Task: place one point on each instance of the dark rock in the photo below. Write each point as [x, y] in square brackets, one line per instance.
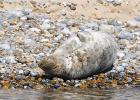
[56, 86]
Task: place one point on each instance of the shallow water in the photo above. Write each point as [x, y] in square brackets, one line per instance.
[74, 94]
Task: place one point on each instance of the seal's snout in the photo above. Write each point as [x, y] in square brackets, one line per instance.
[51, 67]
[47, 64]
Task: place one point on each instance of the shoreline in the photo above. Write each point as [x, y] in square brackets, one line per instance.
[27, 35]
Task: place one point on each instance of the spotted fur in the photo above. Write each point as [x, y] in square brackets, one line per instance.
[83, 55]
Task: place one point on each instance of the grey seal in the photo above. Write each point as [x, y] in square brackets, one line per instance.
[82, 55]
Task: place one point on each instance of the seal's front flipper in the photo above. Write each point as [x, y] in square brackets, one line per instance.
[108, 69]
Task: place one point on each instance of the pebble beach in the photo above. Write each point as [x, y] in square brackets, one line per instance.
[33, 29]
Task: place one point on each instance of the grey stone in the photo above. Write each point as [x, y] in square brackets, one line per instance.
[35, 30]
[3, 70]
[46, 24]
[110, 0]
[24, 18]
[21, 72]
[66, 32]
[17, 13]
[29, 42]
[18, 77]
[120, 54]
[115, 22]
[125, 64]
[40, 56]
[124, 43]
[2, 60]
[129, 55]
[107, 28]
[82, 28]
[77, 85]
[133, 23]
[117, 29]
[137, 18]
[26, 72]
[72, 6]
[26, 11]
[136, 33]
[113, 71]
[57, 85]
[138, 53]
[33, 74]
[125, 35]
[5, 46]
[25, 87]
[122, 74]
[115, 2]
[10, 59]
[93, 26]
[129, 80]
[63, 13]
[10, 1]
[131, 71]
[120, 68]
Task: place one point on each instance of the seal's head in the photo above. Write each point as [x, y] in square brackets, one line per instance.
[51, 67]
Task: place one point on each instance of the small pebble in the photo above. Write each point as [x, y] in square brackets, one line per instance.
[26, 72]
[120, 68]
[56, 86]
[33, 74]
[129, 80]
[18, 77]
[125, 35]
[5, 46]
